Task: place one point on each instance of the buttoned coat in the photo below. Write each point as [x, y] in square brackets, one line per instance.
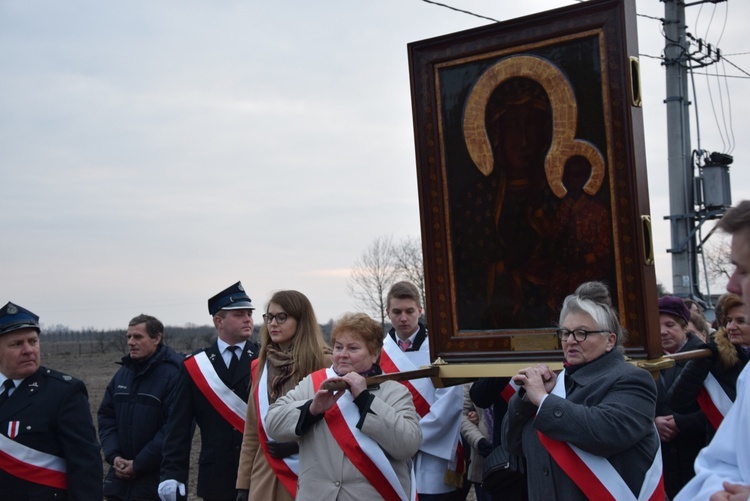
[220, 441]
[325, 472]
[132, 421]
[608, 411]
[53, 415]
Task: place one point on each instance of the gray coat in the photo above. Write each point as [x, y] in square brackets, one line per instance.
[609, 412]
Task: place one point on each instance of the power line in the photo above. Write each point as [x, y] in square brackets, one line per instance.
[459, 10]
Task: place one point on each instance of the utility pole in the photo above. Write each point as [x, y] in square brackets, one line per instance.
[679, 162]
[712, 185]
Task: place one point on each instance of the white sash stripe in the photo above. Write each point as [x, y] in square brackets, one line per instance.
[718, 396]
[423, 385]
[370, 447]
[31, 456]
[226, 395]
[605, 472]
[291, 461]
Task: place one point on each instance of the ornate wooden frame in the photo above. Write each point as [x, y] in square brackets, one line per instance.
[584, 57]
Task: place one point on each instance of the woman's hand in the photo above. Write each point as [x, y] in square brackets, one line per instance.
[357, 384]
[732, 492]
[324, 399]
[473, 417]
[666, 427]
[538, 381]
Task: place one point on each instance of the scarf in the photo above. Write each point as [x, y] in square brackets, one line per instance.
[282, 374]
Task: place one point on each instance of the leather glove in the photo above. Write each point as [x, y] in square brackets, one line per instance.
[710, 346]
[484, 447]
[168, 490]
[281, 450]
[243, 495]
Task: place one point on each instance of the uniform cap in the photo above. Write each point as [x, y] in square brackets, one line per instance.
[231, 298]
[14, 318]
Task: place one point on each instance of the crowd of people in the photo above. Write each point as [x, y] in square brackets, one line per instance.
[294, 418]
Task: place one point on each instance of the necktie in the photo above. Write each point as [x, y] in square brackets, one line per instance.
[404, 345]
[235, 361]
[8, 385]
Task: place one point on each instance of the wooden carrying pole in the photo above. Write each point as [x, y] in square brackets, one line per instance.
[453, 374]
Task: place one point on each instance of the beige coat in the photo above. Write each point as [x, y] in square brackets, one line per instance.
[254, 472]
[473, 433]
[325, 472]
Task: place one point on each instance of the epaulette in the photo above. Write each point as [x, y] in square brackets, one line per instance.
[57, 375]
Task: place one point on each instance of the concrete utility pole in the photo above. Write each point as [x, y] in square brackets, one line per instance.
[680, 165]
[685, 220]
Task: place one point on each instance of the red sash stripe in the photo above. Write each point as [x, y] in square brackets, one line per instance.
[32, 473]
[714, 416]
[200, 381]
[285, 475]
[576, 469]
[422, 405]
[508, 392]
[344, 437]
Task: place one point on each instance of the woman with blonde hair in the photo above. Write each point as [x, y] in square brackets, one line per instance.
[291, 347]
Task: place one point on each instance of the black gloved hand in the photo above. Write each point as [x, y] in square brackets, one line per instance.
[281, 450]
[484, 447]
[243, 495]
[710, 346]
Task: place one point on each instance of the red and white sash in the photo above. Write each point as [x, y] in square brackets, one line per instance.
[287, 469]
[393, 359]
[594, 475]
[363, 452]
[714, 401]
[231, 407]
[32, 465]
[509, 390]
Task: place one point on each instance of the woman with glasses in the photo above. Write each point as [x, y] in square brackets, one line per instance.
[291, 347]
[587, 433]
[356, 444]
[712, 381]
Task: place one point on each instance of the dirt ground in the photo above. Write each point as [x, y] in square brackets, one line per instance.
[96, 370]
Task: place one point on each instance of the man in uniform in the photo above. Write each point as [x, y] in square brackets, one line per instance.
[212, 392]
[439, 464]
[47, 437]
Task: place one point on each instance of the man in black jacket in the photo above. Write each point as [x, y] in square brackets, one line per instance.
[47, 436]
[134, 412]
[212, 392]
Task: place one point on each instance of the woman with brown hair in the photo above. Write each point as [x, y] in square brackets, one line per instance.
[291, 347]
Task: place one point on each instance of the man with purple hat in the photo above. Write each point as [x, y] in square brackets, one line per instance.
[682, 434]
[48, 447]
[212, 393]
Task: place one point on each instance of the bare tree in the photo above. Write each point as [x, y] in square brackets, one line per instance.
[372, 275]
[718, 257]
[409, 262]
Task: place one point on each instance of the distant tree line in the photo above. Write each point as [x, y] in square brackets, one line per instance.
[60, 339]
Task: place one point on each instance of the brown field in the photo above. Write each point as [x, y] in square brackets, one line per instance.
[96, 370]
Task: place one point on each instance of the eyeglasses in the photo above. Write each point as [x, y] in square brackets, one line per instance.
[579, 335]
[280, 318]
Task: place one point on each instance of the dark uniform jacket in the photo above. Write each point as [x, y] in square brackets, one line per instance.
[220, 442]
[53, 415]
[132, 421]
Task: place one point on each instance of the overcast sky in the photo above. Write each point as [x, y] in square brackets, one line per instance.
[154, 152]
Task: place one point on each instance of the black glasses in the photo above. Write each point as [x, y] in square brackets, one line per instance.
[280, 318]
[578, 334]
